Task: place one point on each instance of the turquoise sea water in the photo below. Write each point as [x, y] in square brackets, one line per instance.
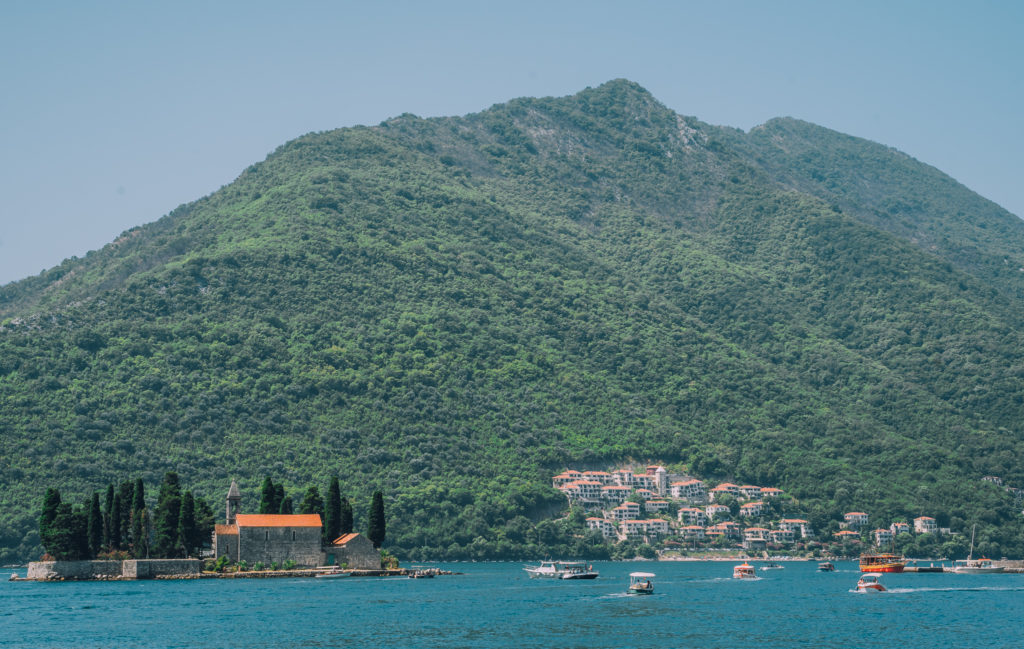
[697, 604]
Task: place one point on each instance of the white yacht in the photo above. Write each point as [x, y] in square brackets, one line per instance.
[562, 570]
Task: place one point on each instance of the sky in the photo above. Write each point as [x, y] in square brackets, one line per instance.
[114, 113]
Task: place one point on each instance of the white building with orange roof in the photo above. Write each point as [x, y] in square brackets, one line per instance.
[925, 525]
[603, 477]
[751, 510]
[692, 516]
[899, 527]
[750, 492]
[602, 525]
[693, 490]
[565, 478]
[656, 506]
[626, 511]
[694, 532]
[615, 493]
[847, 535]
[755, 538]
[798, 526]
[883, 537]
[724, 488]
[782, 537]
[725, 528]
[770, 492]
[646, 494]
[716, 510]
[855, 519]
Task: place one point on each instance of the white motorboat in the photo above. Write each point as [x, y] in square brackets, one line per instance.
[562, 570]
[640, 583]
[868, 583]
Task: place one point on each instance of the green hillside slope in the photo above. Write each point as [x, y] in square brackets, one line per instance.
[454, 309]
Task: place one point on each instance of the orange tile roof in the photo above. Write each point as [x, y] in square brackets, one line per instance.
[278, 520]
[225, 530]
[344, 538]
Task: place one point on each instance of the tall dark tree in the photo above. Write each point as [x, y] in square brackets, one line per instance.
[138, 495]
[346, 517]
[268, 493]
[143, 527]
[95, 525]
[312, 503]
[205, 522]
[332, 511]
[278, 498]
[375, 526]
[286, 505]
[166, 517]
[187, 525]
[116, 541]
[108, 508]
[48, 513]
[69, 535]
[125, 491]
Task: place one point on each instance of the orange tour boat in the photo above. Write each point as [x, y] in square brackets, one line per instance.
[881, 563]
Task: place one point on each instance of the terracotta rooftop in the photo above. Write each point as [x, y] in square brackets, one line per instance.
[225, 530]
[278, 520]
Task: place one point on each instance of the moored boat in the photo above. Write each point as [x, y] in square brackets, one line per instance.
[826, 566]
[562, 570]
[744, 571]
[868, 583]
[640, 583]
[332, 574]
[881, 563]
[976, 567]
[972, 566]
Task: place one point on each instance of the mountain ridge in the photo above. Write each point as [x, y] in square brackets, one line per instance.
[580, 279]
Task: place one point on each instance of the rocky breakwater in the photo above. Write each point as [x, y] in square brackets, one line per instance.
[112, 570]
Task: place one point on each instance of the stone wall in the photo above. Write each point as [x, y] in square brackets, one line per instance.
[54, 570]
[358, 553]
[151, 568]
[279, 544]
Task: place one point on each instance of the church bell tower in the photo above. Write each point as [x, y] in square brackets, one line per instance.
[234, 502]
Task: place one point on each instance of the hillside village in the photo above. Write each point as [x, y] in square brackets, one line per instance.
[659, 508]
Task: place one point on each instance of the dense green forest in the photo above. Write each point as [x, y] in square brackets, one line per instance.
[452, 310]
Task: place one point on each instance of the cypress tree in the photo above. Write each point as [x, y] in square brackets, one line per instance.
[286, 506]
[109, 507]
[267, 493]
[346, 517]
[69, 536]
[332, 511]
[47, 515]
[312, 503]
[205, 522]
[116, 539]
[187, 524]
[139, 496]
[278, 498]
[95, 526]
[166, 517]
[141, 524]
[375, 527]
[125, 491]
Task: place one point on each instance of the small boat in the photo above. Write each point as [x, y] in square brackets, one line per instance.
[640, 583]
[972, 566]
[581, 571]
[421, 574]
[868, 583]
[826, 566]
[881, 563]
[561, 570]
[337, 573]
[744, 571]
[771, 566]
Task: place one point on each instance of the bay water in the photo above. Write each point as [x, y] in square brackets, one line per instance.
[696, 604]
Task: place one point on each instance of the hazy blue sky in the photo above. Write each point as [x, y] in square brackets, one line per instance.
[112, 114]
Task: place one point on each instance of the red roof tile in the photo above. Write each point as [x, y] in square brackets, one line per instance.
[278, 520]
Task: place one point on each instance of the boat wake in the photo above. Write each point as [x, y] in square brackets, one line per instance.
[959, 589]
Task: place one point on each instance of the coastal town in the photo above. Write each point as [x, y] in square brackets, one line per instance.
[656, 507]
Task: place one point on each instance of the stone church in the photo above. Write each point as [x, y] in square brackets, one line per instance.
[277, 538]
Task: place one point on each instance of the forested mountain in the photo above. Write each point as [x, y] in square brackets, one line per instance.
[453, 309]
